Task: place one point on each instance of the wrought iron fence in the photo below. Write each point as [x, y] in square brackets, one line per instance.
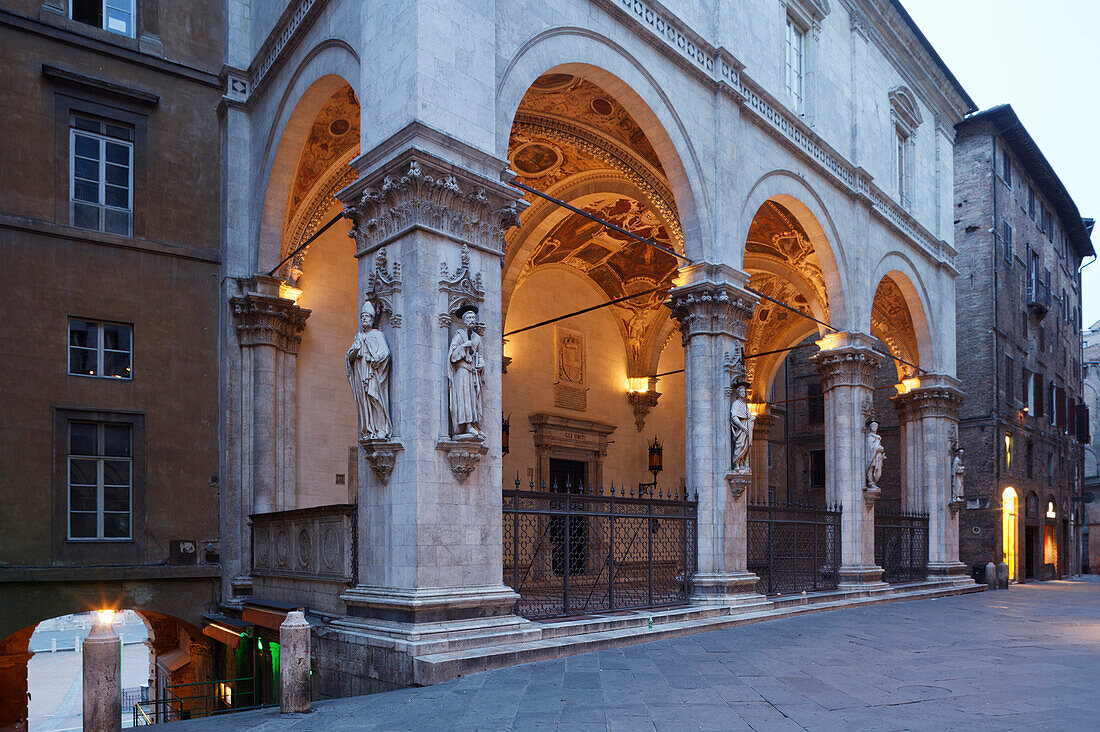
[195, 700]
[793, 547]
[901, 546]
[578, 550]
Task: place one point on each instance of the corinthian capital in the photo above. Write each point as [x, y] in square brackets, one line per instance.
[846, 359]
[934, 395]
[424, 192]
[265, 319]
[711, 302]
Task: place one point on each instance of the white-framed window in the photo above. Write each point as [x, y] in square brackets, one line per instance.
[116, 16]
[101, 176]
[101, 349]
[100, 480]
[795, 63]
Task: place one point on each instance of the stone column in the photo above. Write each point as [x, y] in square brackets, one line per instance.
[102, 677]
[910, 447]
[429, 509]
[847, 363]
[713, 309]
[932, 412]
[761, 431]
[294, 663]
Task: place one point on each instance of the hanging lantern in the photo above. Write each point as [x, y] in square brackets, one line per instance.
[656, 457]
[504, 435]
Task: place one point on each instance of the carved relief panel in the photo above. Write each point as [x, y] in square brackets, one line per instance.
[570, 377]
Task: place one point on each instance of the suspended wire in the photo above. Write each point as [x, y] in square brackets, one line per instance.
[305, 244]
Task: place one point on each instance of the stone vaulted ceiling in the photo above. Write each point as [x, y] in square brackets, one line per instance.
[892, 323]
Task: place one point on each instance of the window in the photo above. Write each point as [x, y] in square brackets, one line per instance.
[815, 403]
[817, 468]
[902, 142]
[101, 162]
[100, 480]
[1031, 202]
[1006, 239]
[116, 16]
[100, 349]
[1010, 387]
[1008, 451]
[1006, 167]
[795, 63]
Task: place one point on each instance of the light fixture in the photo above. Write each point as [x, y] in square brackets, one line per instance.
[504, 428]
[908, 385]
[637, 384]
[757, 408]
[1050, 510]
[106, 617]
[656, 465]
[289, 292]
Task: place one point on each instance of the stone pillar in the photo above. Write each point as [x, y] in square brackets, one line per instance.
[910, 446]
[931, 410]
[847, 363]
[760, 433]
[429, 509]
[102, 678]
[294, 638]
[713, 309]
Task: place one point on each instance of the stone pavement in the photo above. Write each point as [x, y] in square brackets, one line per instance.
[1028, 658]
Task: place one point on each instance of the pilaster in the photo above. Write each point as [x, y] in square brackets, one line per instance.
[713, 309]
[847, 363]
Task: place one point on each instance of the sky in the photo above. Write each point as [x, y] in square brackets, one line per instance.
[1043, 58]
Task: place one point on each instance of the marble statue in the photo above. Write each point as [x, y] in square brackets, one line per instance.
[466, 376]
[957, 470]
[876, 454]
[741, 424]
[368, 367]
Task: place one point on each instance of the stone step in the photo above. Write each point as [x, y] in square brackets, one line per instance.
[598, 634]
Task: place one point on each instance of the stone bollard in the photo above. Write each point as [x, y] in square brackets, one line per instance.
[1002, 576]
[991, 575]
[294, 672]
[103, 676]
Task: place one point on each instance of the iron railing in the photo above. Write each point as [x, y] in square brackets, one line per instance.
[793, 547]
[578, 550]
[197, 699]
[901, 546]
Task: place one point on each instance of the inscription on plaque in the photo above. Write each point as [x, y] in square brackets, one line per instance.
[571, 397]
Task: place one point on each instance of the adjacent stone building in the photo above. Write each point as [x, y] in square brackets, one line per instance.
[1090, 544]
[1021, 241]
[110, 245]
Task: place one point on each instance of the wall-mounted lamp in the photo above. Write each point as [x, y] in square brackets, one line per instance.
[504, 427]
[656, 465]
[289, 292]
[1050, 510]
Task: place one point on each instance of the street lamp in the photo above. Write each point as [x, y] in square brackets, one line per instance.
[656, 464]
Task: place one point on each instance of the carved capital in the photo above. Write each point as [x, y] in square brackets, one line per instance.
[266, 320]
[738, 481]
[846, 360]
[955, 504]
[932, 401]
[711, 309]
[381, 456]
[463, 455]
[642, 402]
[428, 195]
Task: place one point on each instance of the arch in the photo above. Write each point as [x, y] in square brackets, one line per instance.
[768, 366]
[589, 55]
[323, 71]
[900, 269]
[793, 193]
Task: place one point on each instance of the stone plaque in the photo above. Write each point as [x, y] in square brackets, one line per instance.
[571, 397]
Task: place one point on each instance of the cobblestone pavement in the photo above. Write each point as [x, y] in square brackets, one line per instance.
[1028, 658]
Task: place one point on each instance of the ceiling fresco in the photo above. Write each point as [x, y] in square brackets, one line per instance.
[892, 323]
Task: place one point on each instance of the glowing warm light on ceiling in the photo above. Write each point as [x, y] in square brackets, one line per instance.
[831, 341]
[908, 385]
[758, 408]
[106, 617]
[637, 384]
[288, 292]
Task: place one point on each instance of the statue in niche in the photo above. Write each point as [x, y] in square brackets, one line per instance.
[466, 377]
[742, 421]
[957, 471]
[368, 367]
[876, 455]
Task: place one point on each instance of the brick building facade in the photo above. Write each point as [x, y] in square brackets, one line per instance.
[1021, 241]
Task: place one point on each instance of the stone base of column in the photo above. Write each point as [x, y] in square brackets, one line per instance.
[728, 589]
[954, 572]
[423, 614]
[868, 577]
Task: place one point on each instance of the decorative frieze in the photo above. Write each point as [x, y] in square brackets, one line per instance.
[433, 202]
[305, 543]
[265, 320]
